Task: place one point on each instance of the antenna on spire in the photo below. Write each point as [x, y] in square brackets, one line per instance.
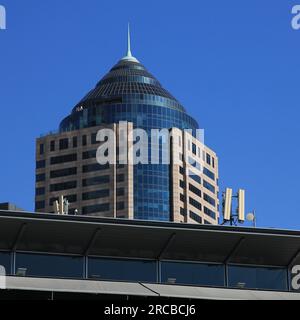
[129, 56]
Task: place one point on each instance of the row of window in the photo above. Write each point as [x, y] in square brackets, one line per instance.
[132, 270]
[73, 184]
[66, 143]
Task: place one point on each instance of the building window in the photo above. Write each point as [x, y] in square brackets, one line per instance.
[94, 138]
[5, 261]
[38, 265]
[257, 278]
[183, 212]
[40, 191]
[52, 146]
[209, 186]
[40, 177]
[94, 167]
[195, 203]
[182, 184]
[194, 149]
[63, 144]
[75, 143]
[39, 205]
[89, 154]
[120, 206]
[95, 181]
[193, 274]
[210, 213]
[63, 186]
[42, 149]
[120, 192]
[195, 177]
[95, 208]
[182, 197]
[84, 140]
[40, 164]
[213, 162]
[63, 159]
[120, 177]
[195, 217]
[122, 270]
[209, 173]
[194, 163]
[181, 170]
[95, 194]
[209, 199]
[208, 159]
[63, 172]
[195, 190]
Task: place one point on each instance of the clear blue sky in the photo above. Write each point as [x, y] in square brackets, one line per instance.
[233, 64]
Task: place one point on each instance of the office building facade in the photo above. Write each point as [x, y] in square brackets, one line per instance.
[160, 191]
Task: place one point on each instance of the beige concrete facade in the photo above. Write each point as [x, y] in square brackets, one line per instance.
[193, 168]
[112, 196]
[195, 188]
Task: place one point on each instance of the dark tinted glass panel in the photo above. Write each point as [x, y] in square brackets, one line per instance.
[95, 194]
[75, 142]
[63, 172]
[40, 177]
[95, 181]
[95, 208]
[52, 146]
[49, 265]
[63, 144]
[195, 203]
[63, 159]
[40, 164]
[63, 186]
[42, 148]
[89, 154]
[126, 270]
[209, 186]
[210, 213]
[39, 191]
[257, 278]
[94, 167]
[120, 206]
[195, 190]
[84, 140]
[209, 173]
[195, 177]
[209, 199]
[192, 273]
[195, 217]
[5, 261]
[120, 177]
[120, 192]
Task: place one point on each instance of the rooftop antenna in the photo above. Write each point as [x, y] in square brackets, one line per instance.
[129, 56]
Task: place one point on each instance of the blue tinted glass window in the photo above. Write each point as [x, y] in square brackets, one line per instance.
[126, 270]
[193, 273]
[257, 278]
[39, 265]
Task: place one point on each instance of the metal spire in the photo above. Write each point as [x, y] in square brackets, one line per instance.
[129, 56]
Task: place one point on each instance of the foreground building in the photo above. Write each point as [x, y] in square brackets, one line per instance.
[66, 161]
[50, 256]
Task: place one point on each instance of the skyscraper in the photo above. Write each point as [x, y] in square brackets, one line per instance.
[66, 161]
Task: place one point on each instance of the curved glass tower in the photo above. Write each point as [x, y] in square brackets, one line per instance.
[66, 165]
[130, 93]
